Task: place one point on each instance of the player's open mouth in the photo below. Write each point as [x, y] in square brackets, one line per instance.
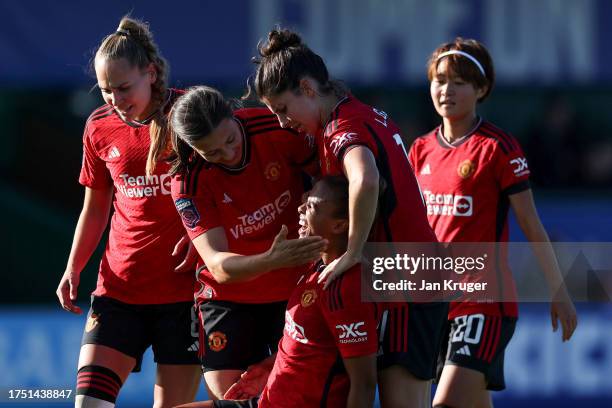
[303, 231]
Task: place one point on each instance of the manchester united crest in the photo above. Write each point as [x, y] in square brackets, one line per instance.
[217, 341]
[466, 168]
[92, 322]
[272, 171]
[308, 297]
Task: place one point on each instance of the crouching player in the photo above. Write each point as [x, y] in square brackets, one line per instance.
[327, 355]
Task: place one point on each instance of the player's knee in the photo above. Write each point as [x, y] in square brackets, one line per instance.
[97, 387]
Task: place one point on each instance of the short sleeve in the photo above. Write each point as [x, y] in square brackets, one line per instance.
[511, 167]
[94, 173]
[339, 139]
[351, 321]
[413, 155]
[195, 205]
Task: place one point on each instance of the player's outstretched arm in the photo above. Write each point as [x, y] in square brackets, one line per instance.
[229, 267]
[360, 169]
[362, 373]
[561, 308]
[89, 229]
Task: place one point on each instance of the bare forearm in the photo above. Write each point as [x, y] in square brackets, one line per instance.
[536, 234]
[363, 198]
[227, 267]
[87, 235]
[362, 376]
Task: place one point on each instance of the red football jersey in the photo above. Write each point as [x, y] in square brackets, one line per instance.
[251, 203]
[321, 328]
[137, 266]
[466, 187]
[402, 216]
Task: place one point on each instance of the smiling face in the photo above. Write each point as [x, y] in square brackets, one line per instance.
[454, 98]
[318, 214]
[126, 88]
[223, 145]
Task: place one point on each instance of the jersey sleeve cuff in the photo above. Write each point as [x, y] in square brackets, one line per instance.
[359, 352]
[517, 188]
[344, 149]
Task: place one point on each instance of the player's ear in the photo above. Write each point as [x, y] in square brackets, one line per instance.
[151, 71]
[482, 91]
[307, 87]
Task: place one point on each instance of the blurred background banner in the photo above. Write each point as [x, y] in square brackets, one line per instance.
[554, 68]
[39, 349]
[369, 41]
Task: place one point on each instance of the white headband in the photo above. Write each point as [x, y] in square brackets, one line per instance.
[466, 55]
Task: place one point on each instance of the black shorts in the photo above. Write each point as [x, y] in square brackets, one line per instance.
[172, 330]
[250, 403]
[478, 341]
[237, 335]
[410, 335]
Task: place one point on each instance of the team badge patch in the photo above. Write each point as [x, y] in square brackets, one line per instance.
[308, 297]
[466, 168]
[92, 322]
[272, 171]
[217, 341]
[188, 211]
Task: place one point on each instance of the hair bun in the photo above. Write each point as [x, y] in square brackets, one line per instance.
[278, 40]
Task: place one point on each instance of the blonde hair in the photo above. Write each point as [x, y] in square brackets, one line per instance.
[134, 42]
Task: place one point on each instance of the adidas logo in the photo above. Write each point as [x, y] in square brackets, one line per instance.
[195, 346]
[113, 153]
[226, 199]
[465, 350]
[426, 169]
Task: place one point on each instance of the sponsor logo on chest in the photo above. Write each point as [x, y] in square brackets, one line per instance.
[143, 186]
[264, 215]
[448, 204]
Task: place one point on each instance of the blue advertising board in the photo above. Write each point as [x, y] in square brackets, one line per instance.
[39, 350]
[362, 41]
